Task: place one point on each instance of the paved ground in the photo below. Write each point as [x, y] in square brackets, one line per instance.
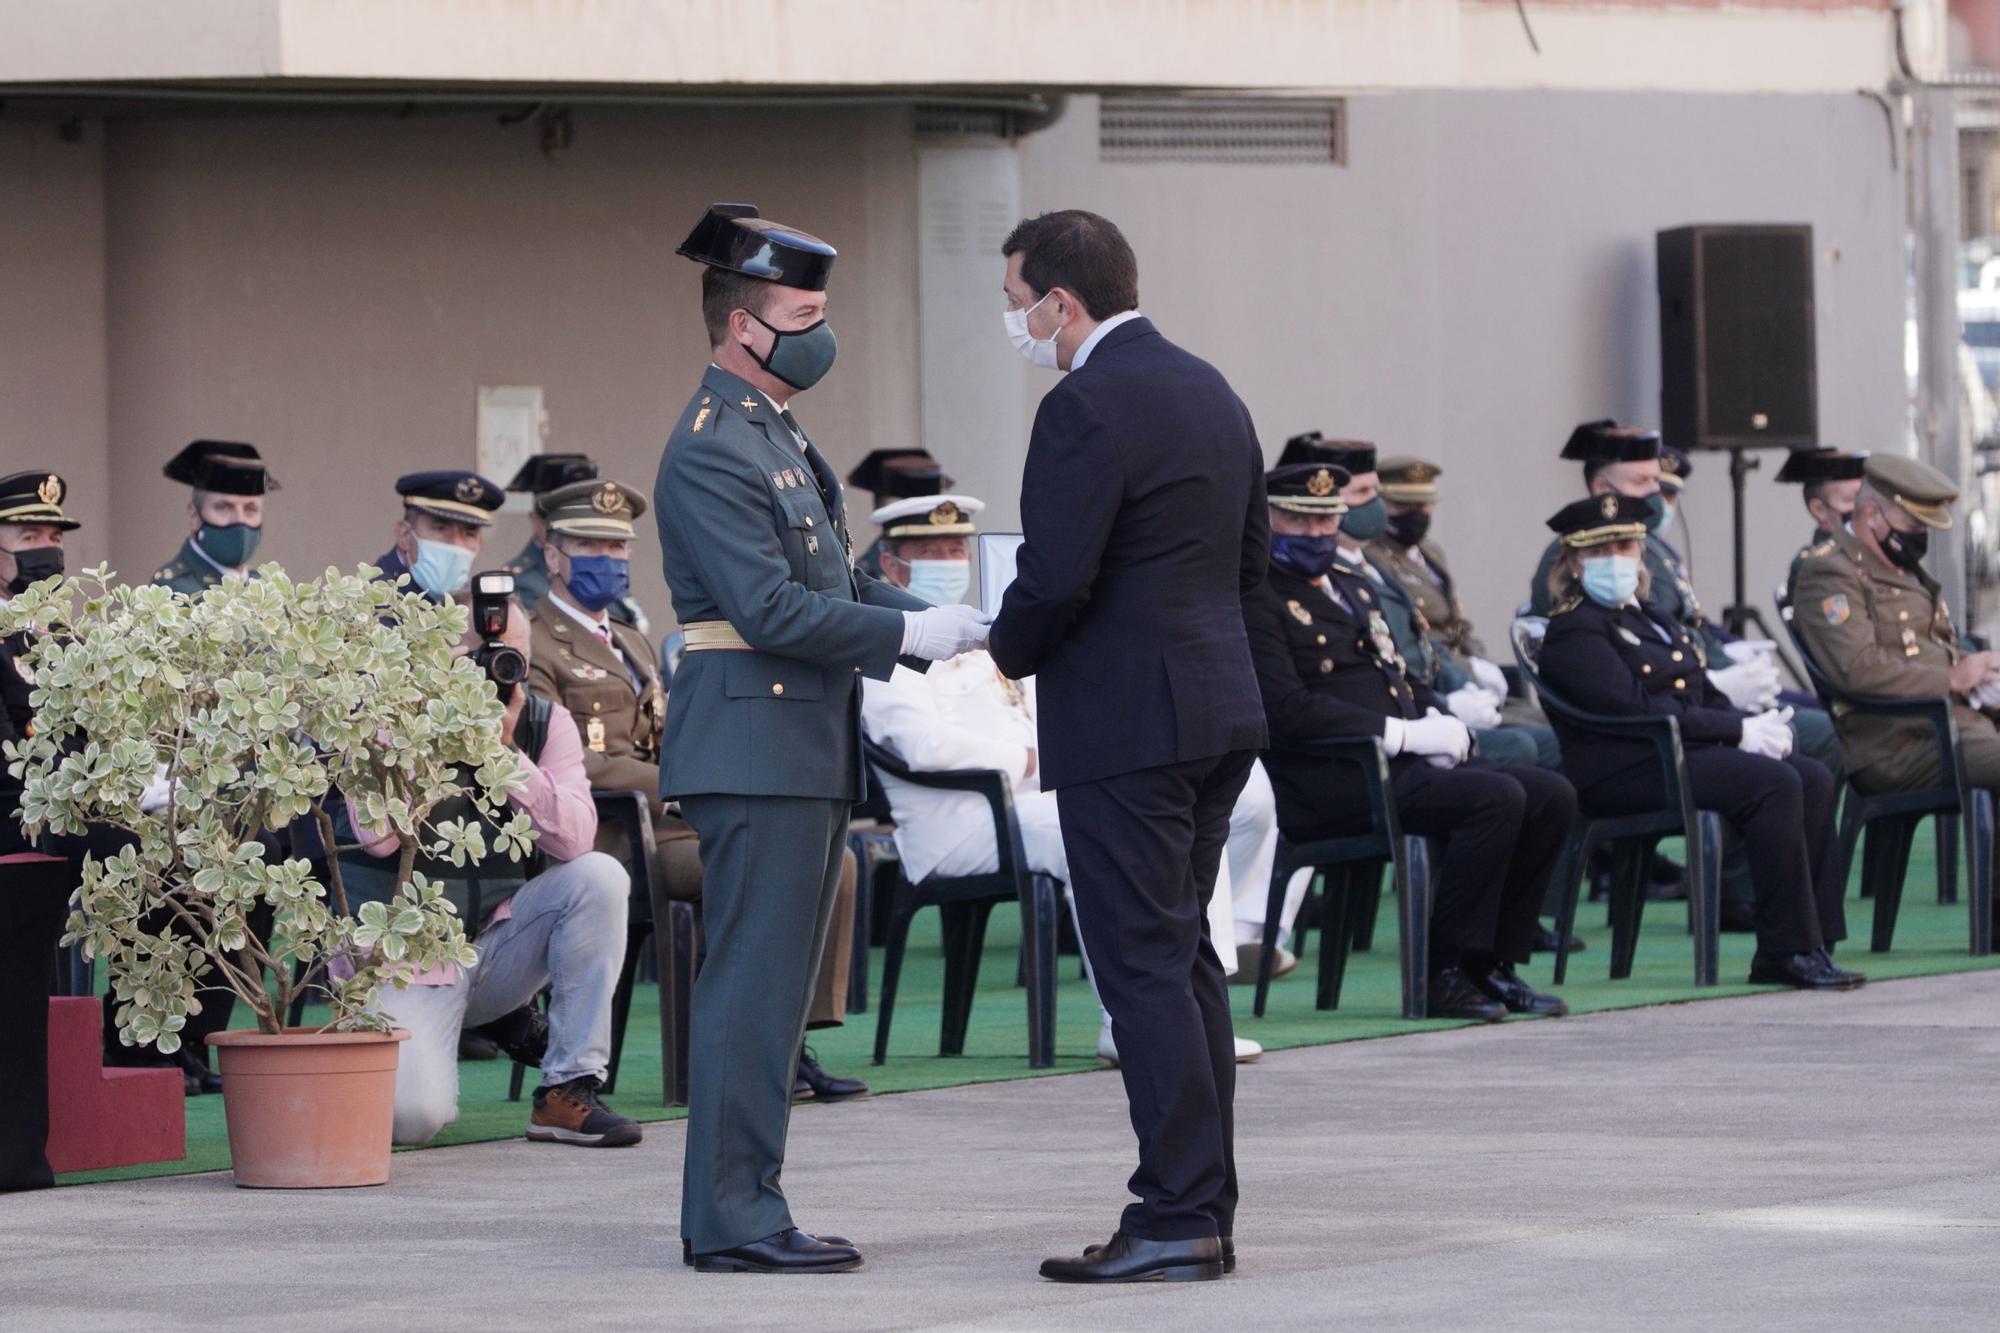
[1784, 1160]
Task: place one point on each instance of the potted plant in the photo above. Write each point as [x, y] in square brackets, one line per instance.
[214, 730]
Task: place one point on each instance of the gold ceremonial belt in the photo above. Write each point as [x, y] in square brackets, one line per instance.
[712, 636]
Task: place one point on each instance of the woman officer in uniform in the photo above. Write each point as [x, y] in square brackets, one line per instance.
[1607, 652]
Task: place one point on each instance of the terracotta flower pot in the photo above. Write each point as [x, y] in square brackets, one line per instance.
[307, 1109]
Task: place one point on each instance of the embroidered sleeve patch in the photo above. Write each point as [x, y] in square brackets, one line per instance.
[1836, 609]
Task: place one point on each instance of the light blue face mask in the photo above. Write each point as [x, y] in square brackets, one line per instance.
[441, 568]
[940, 582]
[1610, 580]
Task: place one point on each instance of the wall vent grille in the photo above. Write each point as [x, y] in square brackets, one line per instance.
[1158, 129]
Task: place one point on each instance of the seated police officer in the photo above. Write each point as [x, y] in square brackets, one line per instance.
[1829, 481]
[563, 929]
[1327, 667]
[1876, 622]
[538, 477]
[225, 513]
[1610, 650]
[603, 673]
[445, 518]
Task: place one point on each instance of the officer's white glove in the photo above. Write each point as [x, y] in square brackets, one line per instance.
[158, 792]
[1442, 739]
[940, 632]
[1987, 696]
[1473, 706]
[1749, 650]
[1489, 677]
[1751, 686]
[1768, 734]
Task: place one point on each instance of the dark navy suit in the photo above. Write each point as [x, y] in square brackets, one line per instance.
[1145, 521]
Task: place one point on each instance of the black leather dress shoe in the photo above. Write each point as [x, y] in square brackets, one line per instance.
[1547, 941]
[1505, 986]
[1802, 971]
[1131, 1259]
[1228, 1253]
[824, 1087]
[789, 1251]
[687, 1246]
[1452, 995]
[1854, 979]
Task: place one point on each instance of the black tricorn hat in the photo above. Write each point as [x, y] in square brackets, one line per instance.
[223, 466]
[1605, 441]
[1353, 456]
[900, 474]
[733, 237]
[1809, 465]
[545, 472]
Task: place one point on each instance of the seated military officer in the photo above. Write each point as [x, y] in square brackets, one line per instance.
[1327, 667]
[445, 518]
[538, 476]
[964, 714]
[225, 513]
[603, 673]
[895, 474]
[1609, 650]
[1876, 623]
[1829, 480]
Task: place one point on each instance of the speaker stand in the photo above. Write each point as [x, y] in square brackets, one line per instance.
[1741, 614]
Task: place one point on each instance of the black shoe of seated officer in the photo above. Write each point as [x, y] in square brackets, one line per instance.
[1502, 983]
[1132, 1259]
[1451, 994]
[823, 1086]
[1547, 941]
[1802, 971]
[788, 1251]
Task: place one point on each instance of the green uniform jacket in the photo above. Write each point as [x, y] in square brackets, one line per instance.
[753, 530]
[1416, 639]
[189, 571]
[1873, 629]
[1430, 588]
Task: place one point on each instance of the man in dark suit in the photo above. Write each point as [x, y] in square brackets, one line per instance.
[1143, 510]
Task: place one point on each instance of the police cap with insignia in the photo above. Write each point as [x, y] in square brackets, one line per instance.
[35, 497]
[898, 474]
[1609, 517]
[223, 466]
[733, 237]
[1675, 467]
[1352, 456]
[1307, 488]
[591, 509]
[545, 472]
[1806, 466]
[454, 496]
[1918, 489]
[922, 516]
[1409, 481]
[1605, 441]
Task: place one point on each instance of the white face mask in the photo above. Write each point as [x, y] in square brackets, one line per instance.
[1039, 351]
[940, 582]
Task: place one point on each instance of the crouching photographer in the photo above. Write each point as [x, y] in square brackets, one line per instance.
[563, 928]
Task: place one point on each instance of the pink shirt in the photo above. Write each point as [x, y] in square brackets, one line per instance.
[557, 801]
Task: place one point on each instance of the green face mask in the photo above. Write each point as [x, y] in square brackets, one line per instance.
[230, 545]
[1365, 522]
[799, 357]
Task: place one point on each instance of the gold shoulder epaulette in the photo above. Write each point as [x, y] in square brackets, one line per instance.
[1568, 604]
[1823, 548]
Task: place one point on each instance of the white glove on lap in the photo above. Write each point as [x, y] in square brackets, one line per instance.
[1435, 735]
[1749, 650]
[1751, 686]
[1473, 706]
[1768, 734]
[940, 632]
[1489, 678]
[1987, 696]
[157, 792]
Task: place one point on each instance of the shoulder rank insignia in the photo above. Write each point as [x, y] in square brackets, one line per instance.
[748, 404]
[1628, 636]
[1568, 604]
[1299, 613]
[1823, 548]
[700, 420]
[1835, 608]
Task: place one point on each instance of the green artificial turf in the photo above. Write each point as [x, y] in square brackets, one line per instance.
[1929, 939]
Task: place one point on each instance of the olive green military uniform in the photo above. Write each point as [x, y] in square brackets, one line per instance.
[1876, 629]
[188, 572]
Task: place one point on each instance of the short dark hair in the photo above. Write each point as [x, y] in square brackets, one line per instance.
[1591, 467]
[1815, 490]
[1080, 252]
[722, 293]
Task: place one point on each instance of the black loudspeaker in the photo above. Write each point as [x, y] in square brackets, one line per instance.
[1737, 369]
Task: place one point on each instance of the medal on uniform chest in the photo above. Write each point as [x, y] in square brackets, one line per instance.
[1628, 636]
[1910, 646]
[1385, 642]
[593, 731]
[1299, 613]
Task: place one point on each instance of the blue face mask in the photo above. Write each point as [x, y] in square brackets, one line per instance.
[441, 568]
[596, 581]
[1364, 523]
[1308, 557]
[1610, 580]
[799, 357]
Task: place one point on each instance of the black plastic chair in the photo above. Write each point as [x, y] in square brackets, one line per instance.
[964, 903]
[1632, 837]
[1350, 871]
[1889, 819]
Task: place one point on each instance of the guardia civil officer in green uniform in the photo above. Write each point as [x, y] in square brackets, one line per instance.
[225, 513]
[763, 738]
[1828, 481]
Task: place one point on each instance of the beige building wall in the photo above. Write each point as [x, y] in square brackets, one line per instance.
[52, 369]
[336, 290]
